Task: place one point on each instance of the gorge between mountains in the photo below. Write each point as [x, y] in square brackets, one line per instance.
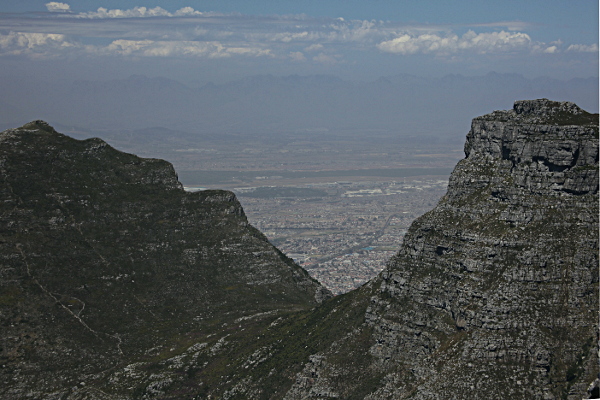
[115, 283]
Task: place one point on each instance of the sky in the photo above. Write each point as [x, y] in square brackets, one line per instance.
[197, 42]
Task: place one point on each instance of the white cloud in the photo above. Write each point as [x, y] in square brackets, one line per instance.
[51, 45]
[404, 44]
[150, 48]
[127, 47]
[136, 12]
[354, 31]
[142, 12]
[34, 44]
[54, 6]
[551, 50]
[248, 51]
[186, 11]
[288, 37]
[297, 56]
[314, 47]
[451, 43]
[272, 32]
[583, 48]
[306, 31]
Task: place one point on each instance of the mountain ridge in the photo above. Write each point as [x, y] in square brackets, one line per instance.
[105, 258]
[399, 105]
[493, 293]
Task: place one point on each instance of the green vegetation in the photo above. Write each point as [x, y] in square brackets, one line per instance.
[10, 296]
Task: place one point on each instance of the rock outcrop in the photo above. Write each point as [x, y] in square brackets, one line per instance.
[494, 293]
[104, 259]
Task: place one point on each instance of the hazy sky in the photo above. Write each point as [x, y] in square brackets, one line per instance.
[218, 41]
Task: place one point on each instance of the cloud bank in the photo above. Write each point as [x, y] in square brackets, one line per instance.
[137, 12]
[189, 33]
[149, 48]
[34, 44]
[583, 48]
[481, 43]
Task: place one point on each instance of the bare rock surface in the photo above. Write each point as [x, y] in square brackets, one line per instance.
[494, 293]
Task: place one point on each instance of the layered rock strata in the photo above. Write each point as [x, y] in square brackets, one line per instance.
[494, 293]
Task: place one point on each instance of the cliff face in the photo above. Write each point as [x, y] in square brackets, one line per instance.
[503, 275]
[104, 259]
[494, 293]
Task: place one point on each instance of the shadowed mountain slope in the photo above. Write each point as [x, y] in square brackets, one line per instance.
[105, 258]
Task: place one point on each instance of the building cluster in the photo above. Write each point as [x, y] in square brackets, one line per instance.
[345, 238]
[349, 271]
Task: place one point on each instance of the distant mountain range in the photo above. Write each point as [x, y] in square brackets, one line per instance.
[268, 105]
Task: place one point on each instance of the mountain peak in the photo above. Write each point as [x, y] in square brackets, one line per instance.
[545, 141]
[545, 107]
[39, 125]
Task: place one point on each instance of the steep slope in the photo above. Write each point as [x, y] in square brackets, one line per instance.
[105, 259]
[494, 293]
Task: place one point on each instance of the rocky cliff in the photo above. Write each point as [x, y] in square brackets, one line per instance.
[105, 259]
[493, 294]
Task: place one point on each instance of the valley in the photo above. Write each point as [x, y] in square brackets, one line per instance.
[340, 215]
[345, 236]
[338, 204]
[491, 292]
